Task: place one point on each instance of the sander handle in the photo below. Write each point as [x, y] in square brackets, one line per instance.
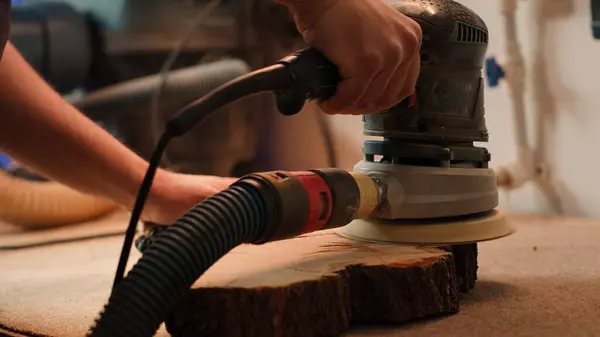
[314, 77]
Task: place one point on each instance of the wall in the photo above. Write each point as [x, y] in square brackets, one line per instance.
[570, 52]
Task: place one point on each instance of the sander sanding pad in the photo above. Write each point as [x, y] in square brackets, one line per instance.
[492, 225]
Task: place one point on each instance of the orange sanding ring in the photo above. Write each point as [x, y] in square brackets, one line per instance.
[492, 226]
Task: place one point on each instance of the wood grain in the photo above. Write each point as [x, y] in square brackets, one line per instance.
[319, 285]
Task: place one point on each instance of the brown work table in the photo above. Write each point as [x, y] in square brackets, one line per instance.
[542, 281]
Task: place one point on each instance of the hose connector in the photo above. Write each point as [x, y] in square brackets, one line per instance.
[300, 202]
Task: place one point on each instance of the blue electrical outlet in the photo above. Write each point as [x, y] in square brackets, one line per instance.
[4, 161]
[493, 71]
[596, 19]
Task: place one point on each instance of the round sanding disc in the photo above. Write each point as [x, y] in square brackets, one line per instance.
[491, 226]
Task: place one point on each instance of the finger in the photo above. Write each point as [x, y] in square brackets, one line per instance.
[347, 94]
[414, 72]
[410, 81]
[406, 79]
[217, 183]
[354, 86]
[400, 85]
[371, 100]
[389, 97]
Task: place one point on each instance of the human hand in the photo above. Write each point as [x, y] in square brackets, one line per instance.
[173, 194]
[375, 47]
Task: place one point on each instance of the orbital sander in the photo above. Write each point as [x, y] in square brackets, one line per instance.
[439, 188]
[422, 181]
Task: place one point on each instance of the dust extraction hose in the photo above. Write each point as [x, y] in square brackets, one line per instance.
[258, 208]
[39, 204]
[184, 251]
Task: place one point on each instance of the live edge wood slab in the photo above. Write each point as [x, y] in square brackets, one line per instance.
[321, 284]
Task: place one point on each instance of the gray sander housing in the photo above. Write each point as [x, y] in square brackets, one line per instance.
[425, 160]
[450, 105]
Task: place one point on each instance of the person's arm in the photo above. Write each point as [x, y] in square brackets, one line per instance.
[44, 132]
[375, 47]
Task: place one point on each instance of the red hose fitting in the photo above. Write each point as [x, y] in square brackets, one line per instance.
[319, 200]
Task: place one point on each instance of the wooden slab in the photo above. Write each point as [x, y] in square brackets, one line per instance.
[318, 285]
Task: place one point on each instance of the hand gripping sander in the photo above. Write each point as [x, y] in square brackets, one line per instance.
[435, 185]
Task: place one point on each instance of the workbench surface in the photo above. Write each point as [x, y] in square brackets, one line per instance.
[542, 281]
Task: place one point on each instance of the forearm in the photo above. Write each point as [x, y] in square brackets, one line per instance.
[43, 131]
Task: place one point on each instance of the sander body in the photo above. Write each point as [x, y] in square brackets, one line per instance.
[437, 185]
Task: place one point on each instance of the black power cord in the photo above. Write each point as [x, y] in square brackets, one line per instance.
[138, 207]
[304, 75]
[170, 61]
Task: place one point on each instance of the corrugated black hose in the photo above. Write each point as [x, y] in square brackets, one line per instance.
[164, 274]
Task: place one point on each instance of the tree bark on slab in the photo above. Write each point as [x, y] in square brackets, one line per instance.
[319, 285]
[465, 260]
